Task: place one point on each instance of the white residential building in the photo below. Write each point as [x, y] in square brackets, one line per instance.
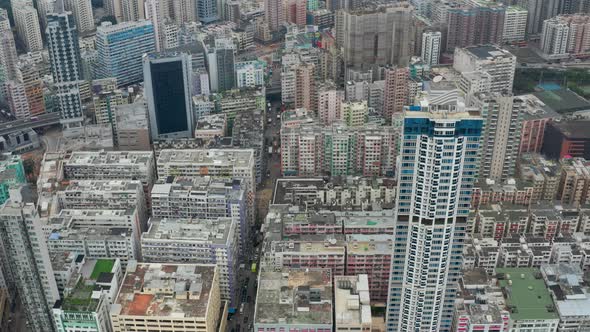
[352, 303]
[436, 171]
[111, 165]
[220, 163]
[202, 198]
[515, 19]
[105, 194]
[196, 241]
[497, 62]
[555, 37]
[431, 41]
[28, 29]
[250, 73]
[25, 263]
[96, 233]
[82, 11]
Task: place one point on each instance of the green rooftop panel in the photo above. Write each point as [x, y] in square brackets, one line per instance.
[526, 294]
[102, 265]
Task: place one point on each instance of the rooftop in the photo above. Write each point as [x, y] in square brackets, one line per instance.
[527, 297]
[103, 185]
[212, 122]
[380, 244]
[574, 129]
[132, 116]
[210, 231]
[165, 290]
[569, 290]
[563, 101]
[83, 293]
[537, 109]
[488, 52]
[198, 186]
[194, 157]
[294, 297]
[351, 300]
[108, 158]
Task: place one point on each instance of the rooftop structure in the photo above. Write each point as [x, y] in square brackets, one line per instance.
[211, 126]
[131, 129]
[103, 165]
[196, 241]
[202, 198]
[527, 297]
[189, 162]
[570, 294]
[569, 138]
[352, 309]
[12, 173]
[88, 295]
[339, 193]
[563, 101]
[177, 295]
[294, 298]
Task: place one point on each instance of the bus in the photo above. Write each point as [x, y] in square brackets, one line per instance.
[253, 269]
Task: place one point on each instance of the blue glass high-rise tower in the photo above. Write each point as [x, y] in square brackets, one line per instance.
[120, 50]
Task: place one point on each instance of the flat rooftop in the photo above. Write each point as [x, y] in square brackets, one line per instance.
[488, 51]
[211, 231]
[104, 185]
[106, 158]
[212, 122]
[294, 297]
[228, 157]
[165, 290]
[90, 234]
[563, 101]
[527, 295]
[183, 187]
[352, 300]
[574, 129]
[95, 276]
[132, 116]
[378, 244]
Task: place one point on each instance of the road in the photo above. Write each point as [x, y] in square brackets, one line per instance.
[247, 281]
[43, 120]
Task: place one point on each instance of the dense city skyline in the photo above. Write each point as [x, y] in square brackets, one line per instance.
[295, 166]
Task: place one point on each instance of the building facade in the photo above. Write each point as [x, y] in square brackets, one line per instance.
[431, 47]
[26, 263]
[440, 145]
[120, 50]
[168, 87]
[66, 64]
[391, 28]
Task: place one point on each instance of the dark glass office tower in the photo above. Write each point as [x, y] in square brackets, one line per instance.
[167, 91]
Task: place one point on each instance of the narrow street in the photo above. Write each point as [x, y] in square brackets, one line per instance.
[243, 319]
